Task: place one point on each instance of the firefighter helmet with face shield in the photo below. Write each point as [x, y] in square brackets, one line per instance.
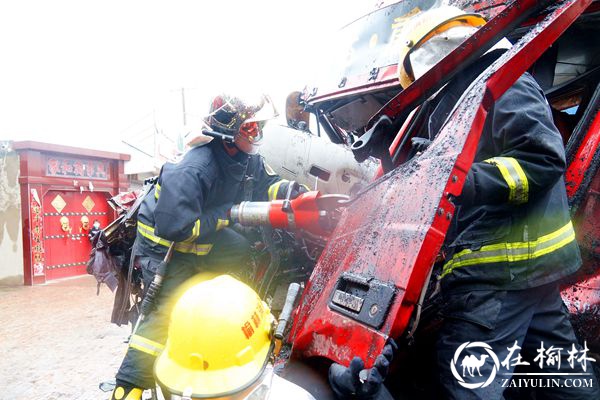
[428, 36]
[242, 118]
[219, 343]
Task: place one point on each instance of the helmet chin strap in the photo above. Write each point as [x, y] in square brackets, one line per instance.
[231, 148]
[228, 142]
[218, 135]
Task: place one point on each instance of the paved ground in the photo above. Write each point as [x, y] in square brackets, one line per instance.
[57, 342]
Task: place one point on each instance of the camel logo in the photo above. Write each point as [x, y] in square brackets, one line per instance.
[471, 365]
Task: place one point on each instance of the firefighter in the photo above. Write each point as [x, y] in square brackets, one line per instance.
[511, 240]
[220, 346]
[189, 207]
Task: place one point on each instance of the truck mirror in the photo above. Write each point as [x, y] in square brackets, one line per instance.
[295, 115]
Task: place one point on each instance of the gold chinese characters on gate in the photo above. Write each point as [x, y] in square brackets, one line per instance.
[37, 246]
[77, 168]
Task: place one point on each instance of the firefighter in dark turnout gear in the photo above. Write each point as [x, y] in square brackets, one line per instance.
[511, 238]
[189, 206]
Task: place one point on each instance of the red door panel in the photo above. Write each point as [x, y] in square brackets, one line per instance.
[67, 251]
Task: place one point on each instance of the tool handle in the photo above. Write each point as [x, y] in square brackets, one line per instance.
[154, 289]
[156, 285]
[284, 317]
[287, 205]
[148, 302]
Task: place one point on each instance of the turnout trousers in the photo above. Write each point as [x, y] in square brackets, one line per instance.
[230, 254]
[519, 326]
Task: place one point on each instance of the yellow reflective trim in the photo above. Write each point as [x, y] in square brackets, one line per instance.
[193, 248]
[508, 257]
[522, 178]
[524, 245]
[118, 393]
[134, 394]
[195, 232]
[513, 174]
[274, 188]
[512, 252]
[554, 247]
[145, 345]
[198, 249]
[143, 349]
[512, 185]
[157, 191]
[222, 223]
[148, 232]
[138, 338]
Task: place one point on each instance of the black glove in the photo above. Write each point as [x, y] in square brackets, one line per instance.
[358, 383]
[223, 211]
[297, 190]
[420, 144]
[467, 196]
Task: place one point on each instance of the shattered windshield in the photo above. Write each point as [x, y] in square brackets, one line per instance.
[367, 43]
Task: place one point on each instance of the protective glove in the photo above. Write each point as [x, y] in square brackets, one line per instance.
[297, 190]
[215, 218]
[467, 196]
[223, 213]
[355, 382]
[420, 144]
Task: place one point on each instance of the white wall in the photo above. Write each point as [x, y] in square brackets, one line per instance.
[11, 241]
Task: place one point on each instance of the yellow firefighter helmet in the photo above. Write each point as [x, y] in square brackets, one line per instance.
[424, 26]
[219, 340]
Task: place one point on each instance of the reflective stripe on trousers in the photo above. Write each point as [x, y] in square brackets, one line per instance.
[146, 345]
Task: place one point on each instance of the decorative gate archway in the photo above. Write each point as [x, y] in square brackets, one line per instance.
[63, 191]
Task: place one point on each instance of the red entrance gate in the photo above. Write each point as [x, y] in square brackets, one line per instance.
[63, 191]
[68, 217]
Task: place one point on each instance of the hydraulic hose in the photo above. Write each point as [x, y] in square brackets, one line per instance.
[154, 288]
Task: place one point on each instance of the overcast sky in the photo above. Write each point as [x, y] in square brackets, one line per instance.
[86, 73]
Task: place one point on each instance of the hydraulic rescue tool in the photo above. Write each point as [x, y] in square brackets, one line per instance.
[311, 212]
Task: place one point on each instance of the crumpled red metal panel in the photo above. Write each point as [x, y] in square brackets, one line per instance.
[582, 294]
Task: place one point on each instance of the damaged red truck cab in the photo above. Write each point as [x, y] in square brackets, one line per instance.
[370, 281]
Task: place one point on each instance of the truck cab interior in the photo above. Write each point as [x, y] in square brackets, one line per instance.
[568, 72]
